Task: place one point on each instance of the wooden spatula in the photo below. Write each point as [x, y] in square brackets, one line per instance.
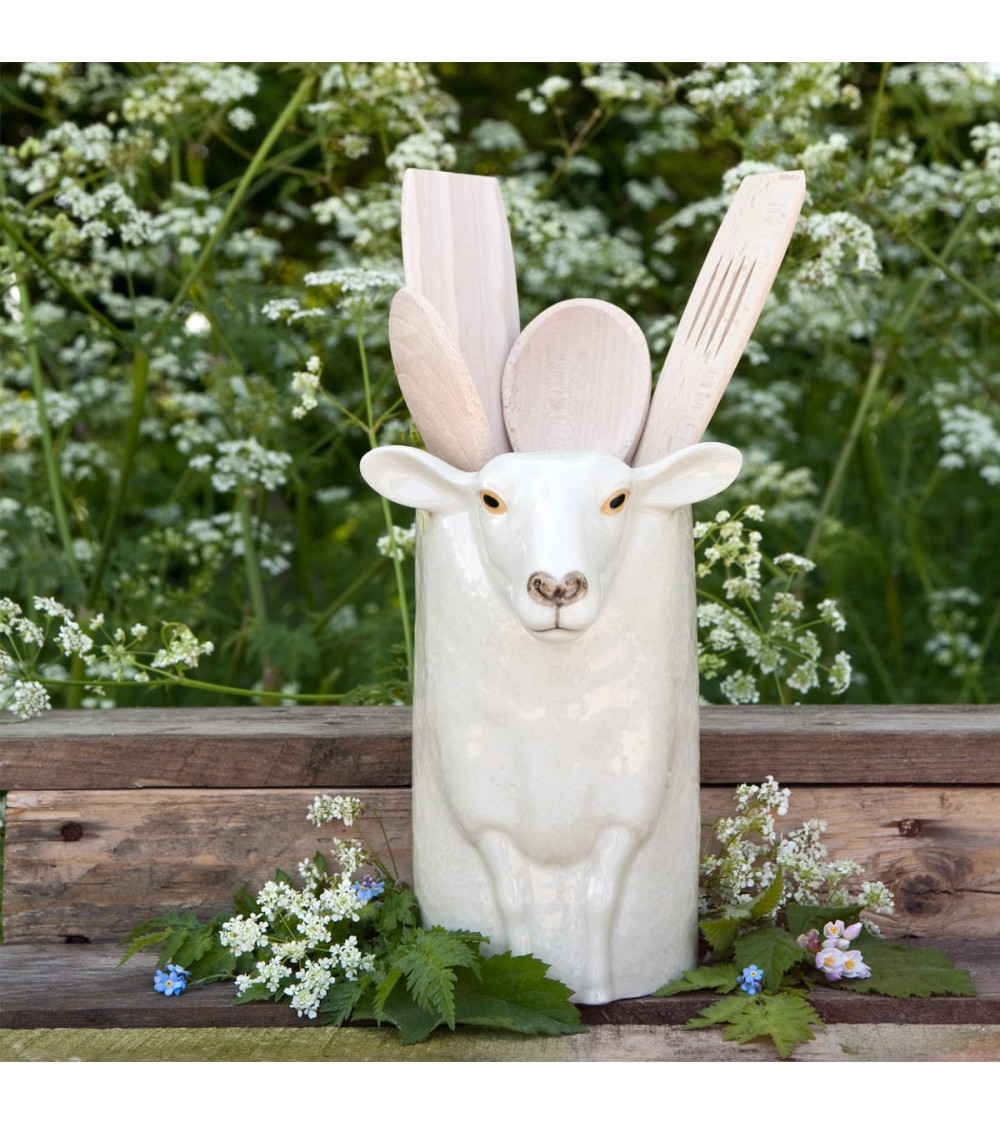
[436, 384]
[722, 311]
[578, 378]
[457, 255]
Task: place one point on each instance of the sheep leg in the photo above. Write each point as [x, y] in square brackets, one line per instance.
[603, 883]
[510, 878]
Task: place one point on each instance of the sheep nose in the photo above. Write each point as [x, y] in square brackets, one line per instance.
[549, 590]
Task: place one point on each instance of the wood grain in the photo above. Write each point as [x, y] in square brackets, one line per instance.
[578, 378]
[94, 991]
[256, 747]
[457, 254]
[722, 311]
[435, 380]
[95, 864]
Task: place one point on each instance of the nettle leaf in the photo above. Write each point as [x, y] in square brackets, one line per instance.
[772, 950]
[256, 992]
[340, 1002]
[217, 963]
[769, 899]
[902, 971]
[514, 994]
[720, 933]
[721, 978]
[398, 1007]
[802, 919]
[181, 938]
[398, 909]
[786, 1019]
[428, 959]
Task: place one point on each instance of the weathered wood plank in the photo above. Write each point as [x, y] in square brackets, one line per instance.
[98, 863]
[94, 991]
[370, 747]
[840, 1043]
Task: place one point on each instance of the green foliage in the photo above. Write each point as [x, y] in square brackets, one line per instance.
[720, 978]
[503, 992]
[196, 260]
[773, 950]
[345, 960]
[906, 970]
[184, 940]
[786, 1019]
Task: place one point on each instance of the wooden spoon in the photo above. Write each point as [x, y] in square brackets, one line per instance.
[722, 311]
[457, 255]
[578, 378]
[436, 384]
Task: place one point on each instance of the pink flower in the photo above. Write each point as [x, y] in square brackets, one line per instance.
[839, 936]
[854, 966]
[830, 962]
[810, 941]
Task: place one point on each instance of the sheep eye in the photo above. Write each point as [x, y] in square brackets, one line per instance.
[615, 502]
[492, 503]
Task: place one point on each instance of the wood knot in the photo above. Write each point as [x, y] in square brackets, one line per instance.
[71, 832]
[909, 826]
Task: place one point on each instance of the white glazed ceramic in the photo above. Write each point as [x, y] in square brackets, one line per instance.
[555, 741]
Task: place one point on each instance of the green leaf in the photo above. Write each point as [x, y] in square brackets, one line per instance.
[721, 978]
[384, 989]
[902, 971]
[514, 994]
[772, 950]
[218, 963]
[720, 933]
[428, 959]
[402, 1011]
[398, 909]
[256, 992]
[802, 919]
[767, 902]
[785, 1019]
[340, 1001]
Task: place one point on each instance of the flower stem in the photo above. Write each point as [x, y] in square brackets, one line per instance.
[397, 565]
[284, 118]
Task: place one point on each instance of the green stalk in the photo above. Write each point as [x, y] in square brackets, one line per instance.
[140, 385]
[12, 233]
[880, 359]
[404, 608]
[251, 564]
[873, 132]
[284, 118]
[38, 389]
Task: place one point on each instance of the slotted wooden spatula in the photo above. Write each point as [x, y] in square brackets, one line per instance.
[457, 255]
[722, 311]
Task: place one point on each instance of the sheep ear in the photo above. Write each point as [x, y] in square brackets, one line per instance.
[414, 478]
[687, 476]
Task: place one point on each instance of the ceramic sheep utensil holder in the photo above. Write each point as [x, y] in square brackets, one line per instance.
[555, 715]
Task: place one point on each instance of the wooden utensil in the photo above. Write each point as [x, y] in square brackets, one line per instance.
[722, 311]
[457, 255]
[437, 385]
[578, 378]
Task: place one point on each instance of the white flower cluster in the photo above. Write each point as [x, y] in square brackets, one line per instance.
[326, 808]
[183, 650]
[753, 852]
[244, 463]
[306, 385]
[953, 619]
[291, 932]
[401, 545]
[773, 640]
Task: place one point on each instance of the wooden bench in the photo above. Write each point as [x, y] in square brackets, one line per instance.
[114, 817]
